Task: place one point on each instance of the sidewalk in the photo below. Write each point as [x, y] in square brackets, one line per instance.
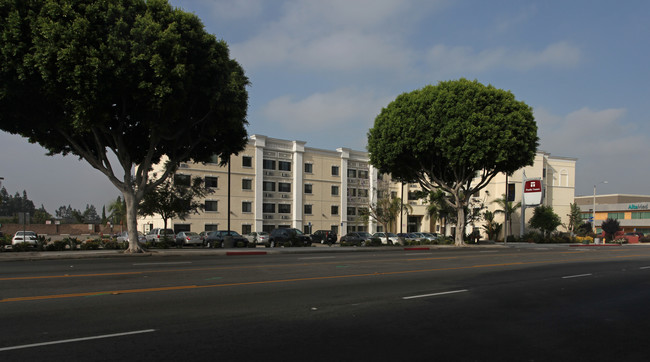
[189, 251]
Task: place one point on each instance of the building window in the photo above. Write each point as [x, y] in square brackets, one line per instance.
[641, 215]
[268, 208]
[284, 187]
[268, 186]
[182, 180]
[284, 208]
[308, 188]
[247, 161]
[352, 211]
[246, 206]
[268, 164]
[616, 215]
[335, 170]
[246, 184]
[309, 168]
[352, 192]
[211, 227]
[211, 181]
[307, 209]
[335, 229]
[363, 174]
[246, 229]
[211, 205]
[335, 190]
[352, 173]
[284, 166]
[335, 209]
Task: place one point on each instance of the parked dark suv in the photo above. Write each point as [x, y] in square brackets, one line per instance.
[324, 236]
[289, 237]
[216, 239]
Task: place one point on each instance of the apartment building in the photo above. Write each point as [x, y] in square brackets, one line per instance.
[557, 175]
[282, 183]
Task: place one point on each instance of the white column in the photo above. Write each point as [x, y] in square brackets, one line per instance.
[260, 143]
[298, 166]
[345, 155]
[372, 197]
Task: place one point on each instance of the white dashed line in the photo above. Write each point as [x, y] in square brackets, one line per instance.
[435, 294]
[76, 340]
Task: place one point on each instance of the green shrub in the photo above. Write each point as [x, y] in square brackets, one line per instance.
[58, 245]
[23, 247]
[114, 245]
[90, 245]
[373, 242]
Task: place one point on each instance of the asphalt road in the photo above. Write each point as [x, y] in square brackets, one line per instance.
[502, 304]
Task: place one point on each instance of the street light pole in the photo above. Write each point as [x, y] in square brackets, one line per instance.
[593, 212]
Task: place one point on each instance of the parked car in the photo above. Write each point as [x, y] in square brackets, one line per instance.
[188, 238]
[392, 238]
[289, 237]
[216, 239]
[24, 237]
[124, 237]
[203, 235]
[407, 236]
[324, 236]
[356, 238]
[260, 237]
[158, 235]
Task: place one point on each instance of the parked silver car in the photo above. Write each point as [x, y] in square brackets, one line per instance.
[391, 237]
[260, 237]
[188, 238]
[124, 237]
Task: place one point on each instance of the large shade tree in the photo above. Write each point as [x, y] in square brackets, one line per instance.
[124, 80]
[454, 136]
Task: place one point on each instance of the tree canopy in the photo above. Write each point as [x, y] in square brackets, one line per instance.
[171, 199]
[455, 136]
[544, 219]
[132, 78]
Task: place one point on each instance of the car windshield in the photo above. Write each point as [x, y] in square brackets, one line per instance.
[263, 233]
[298, 232]
[191, 234]
[231, 233]
[364, 234]
[25, 233]
[391, 235]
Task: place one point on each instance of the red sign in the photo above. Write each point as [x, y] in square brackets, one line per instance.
[533, 186]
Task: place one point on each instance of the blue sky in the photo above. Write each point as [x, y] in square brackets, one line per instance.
[321, 70]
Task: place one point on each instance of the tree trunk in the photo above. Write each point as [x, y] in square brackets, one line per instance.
[132, 221]
[460, 226]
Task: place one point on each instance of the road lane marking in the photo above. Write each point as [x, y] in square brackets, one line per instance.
[645, 267]
[435, 294]
[576, 276]
[76, 340]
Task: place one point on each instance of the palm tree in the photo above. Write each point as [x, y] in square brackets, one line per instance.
[439, 209]
[117, 209]
[508, 208]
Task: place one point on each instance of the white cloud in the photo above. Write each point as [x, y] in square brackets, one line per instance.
[340, 35]
[445, 59]
[326, 111]
[607, 147]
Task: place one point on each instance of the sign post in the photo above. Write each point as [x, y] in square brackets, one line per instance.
[531, 196]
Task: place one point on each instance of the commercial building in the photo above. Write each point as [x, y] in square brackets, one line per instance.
[276, 183]
[631, 211]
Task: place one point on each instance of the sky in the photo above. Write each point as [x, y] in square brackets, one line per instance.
[322, 70]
